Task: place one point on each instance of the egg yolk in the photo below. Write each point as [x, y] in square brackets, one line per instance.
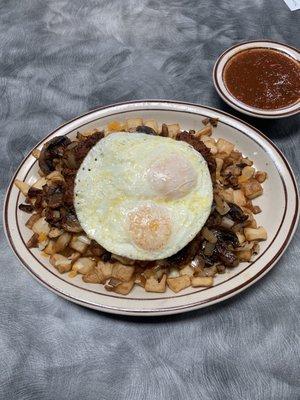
[150, 227]
[172, 177]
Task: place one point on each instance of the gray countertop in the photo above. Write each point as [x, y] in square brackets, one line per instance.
[59, 59]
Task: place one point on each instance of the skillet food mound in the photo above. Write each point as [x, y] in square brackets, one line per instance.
[147, 205]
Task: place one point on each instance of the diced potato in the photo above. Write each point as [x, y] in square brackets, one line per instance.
[22, 186]
[178, 284]
[153, 285]
[152, 124]
[211, 144]
[41, 226]
[40, 183]
[260, 176]
[89, 132]
[133, 123]
[114, 126]
[72, 274]
[186, 270]
[63, 241]
[204, 281]
[91, 277]
[255, 233]
[84, 265]
[33, 241]
[247, 173]
[219, 165]
[251, 222]
[74, 256]
[240, 237]
[50, 248]
[239, 198]
[173, 130]
[244, 255]
[206, 131]
[124, 287]
[77, 243]
[61, 263]
[42, 241]
[252, 188]
[36, 153]
[227, 195]
[55, 233]
[122, 272]
[105, 269]
[224, 146]
[256, 209]
[32, 220]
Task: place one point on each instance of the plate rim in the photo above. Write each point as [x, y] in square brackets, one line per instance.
[177, 309]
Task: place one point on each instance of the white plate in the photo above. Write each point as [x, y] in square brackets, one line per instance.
[279, 204]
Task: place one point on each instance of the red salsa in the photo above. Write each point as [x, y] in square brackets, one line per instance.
[263, 78]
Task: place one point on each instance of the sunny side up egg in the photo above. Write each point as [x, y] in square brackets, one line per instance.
[141, 196]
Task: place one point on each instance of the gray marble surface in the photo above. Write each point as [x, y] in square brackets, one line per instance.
[59, 59]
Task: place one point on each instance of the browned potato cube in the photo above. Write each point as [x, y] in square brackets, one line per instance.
[79, 243]
[32, 220]
[36, 153]
[22, 186]
[55, 233]
[210, 143]
[206, 131]
[173, 130]
[180, 283]
[239, 198]
[50, 248]
[204, 281]
[92, 277]
[124, 288]
[84, 265]
[61, 263]
[252, 188]
[260, 176]
[104, 270]
[41, 226]
[255, 233]
[133, 123]
[153, 285]
[224, 146]
[227, 195]
[186, 270]
[40, 183]
[244, 255]
[122, 272]
[33, 241]
[62, 242]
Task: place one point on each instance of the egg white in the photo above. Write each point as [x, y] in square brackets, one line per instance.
[112, 182]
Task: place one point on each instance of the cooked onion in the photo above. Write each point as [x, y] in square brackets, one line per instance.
[209, 235]
[209, 248]
[227, 223]
[221, 206]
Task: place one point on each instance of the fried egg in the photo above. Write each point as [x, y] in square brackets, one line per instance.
[143, 196]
